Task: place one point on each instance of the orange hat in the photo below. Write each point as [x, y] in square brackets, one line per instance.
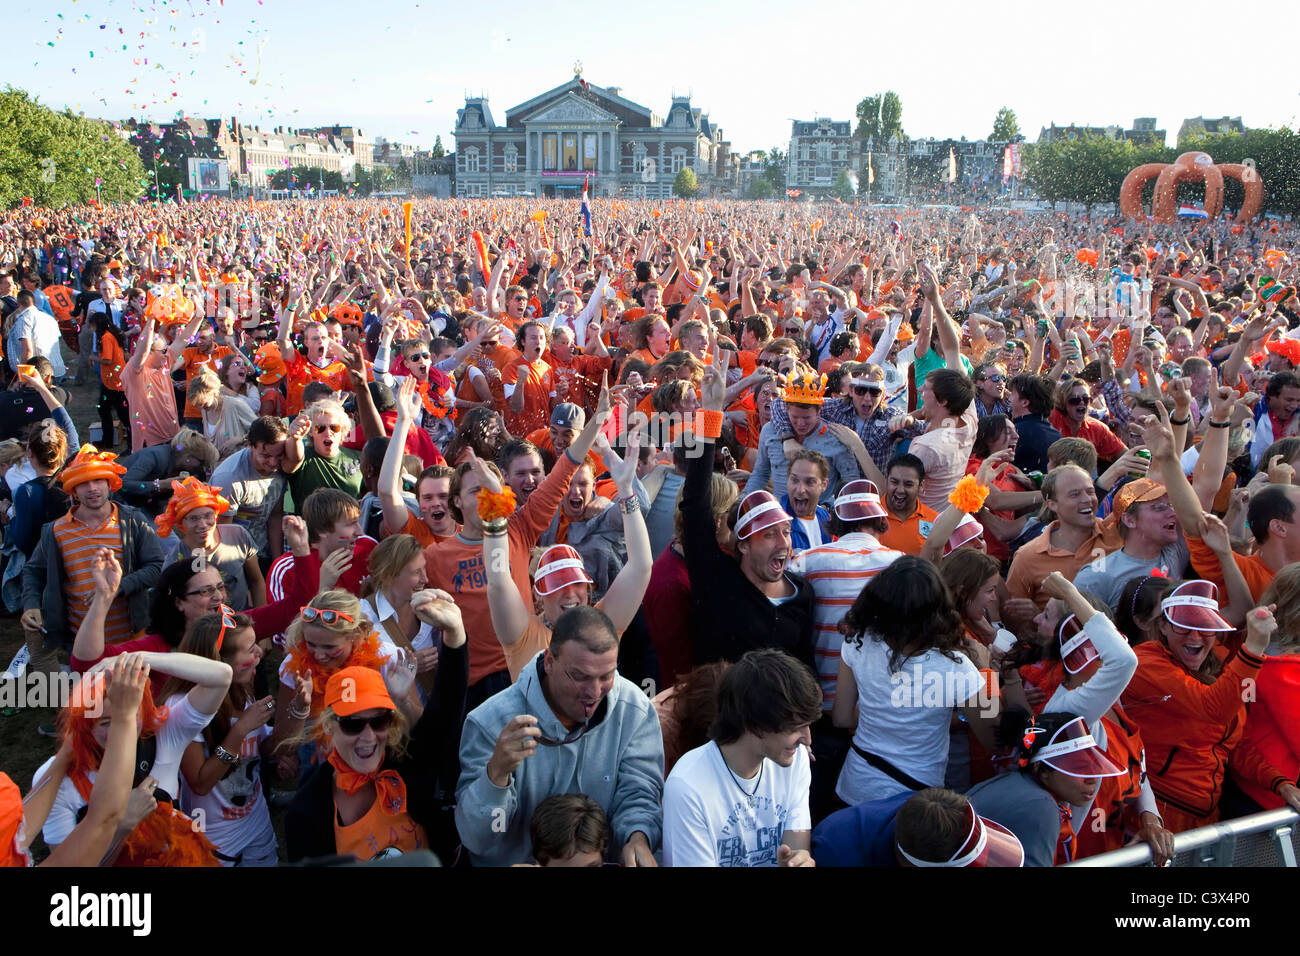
[348, 313]
[1289, 349]
[354, 689]
[11, 824]
[270, 363]
[91, 463]
[169, 306]
[186, 496]
[905, 333]
[1139, 489]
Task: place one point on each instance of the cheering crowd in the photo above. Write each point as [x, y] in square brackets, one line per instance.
[719, 534]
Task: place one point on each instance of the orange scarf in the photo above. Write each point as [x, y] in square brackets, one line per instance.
[390, 788]
[304, 664]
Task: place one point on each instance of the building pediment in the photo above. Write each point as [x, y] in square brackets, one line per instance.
[570, 109]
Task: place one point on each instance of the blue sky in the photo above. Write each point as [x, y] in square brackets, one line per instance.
[401, 68]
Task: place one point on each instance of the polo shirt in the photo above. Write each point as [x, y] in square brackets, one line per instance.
[908, 534]
[1037, 559]
[78, 543]
[1091, 431]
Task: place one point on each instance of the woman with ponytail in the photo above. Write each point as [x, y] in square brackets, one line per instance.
[382, 790]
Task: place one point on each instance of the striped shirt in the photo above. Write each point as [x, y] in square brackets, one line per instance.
[78, 543]
[837, 573]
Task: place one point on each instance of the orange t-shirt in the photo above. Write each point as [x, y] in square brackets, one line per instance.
[111, 361]
[195, 360]
[538, 383]
[301, 372]
[418, 530]
[905, 534]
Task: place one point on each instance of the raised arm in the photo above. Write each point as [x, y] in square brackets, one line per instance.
[390, 490]
[627, 590]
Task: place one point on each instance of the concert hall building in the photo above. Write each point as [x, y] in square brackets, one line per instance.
[549, 144]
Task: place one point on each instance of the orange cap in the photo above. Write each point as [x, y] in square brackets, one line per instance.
[91, 463]
[186, 496]
[354, 689]
[270, 364]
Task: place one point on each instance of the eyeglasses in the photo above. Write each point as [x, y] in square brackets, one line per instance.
[335, 428]
[311, 614]
[353, 726]
[207, 592]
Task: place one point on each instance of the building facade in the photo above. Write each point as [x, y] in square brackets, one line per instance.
[1202, 126]
[549, 145]
[820, 150]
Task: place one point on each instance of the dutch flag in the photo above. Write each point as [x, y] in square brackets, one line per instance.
[1187, 211]
[586, 210]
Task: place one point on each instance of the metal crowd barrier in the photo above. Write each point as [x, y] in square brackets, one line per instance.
[1271, 838]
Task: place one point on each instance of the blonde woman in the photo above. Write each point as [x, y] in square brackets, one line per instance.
[381, 790]
[332, 632]
[225, 419]
[397, 574]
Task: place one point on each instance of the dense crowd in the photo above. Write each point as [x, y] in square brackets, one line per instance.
[720, 533]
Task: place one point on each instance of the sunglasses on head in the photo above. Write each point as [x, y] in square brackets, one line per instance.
[335, 428]
[311, 614]
[353, 726]
[227, 624]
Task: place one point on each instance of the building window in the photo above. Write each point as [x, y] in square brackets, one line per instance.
[512, 159]
[638, 159]
[550, 151]
[589, 152]
[677, 161]
[471, 160]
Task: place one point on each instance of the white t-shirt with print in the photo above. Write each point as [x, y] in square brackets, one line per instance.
[708, 821]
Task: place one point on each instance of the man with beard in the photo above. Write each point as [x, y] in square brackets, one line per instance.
[909, 520]
[751, 600]
[807, 480]
[570, 724]
[591, 525]
[433, 488]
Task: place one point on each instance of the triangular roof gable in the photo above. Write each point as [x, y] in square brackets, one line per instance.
[524, 110]
[570, 107]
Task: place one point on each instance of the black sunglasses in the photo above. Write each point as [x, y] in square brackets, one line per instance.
[353, 726]
[1078, 400]
[860, 390]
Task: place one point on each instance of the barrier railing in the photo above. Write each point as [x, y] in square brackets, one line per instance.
[1271, 838]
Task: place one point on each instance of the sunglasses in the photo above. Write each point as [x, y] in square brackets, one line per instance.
[227, 624]
[311, 614]
[1078, 400]
[418, 357]
[336, 429]
[995, 378]
[353, 726]
[861, 390]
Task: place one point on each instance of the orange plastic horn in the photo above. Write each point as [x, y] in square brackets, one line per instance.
[1188, 166]
[1248, 176]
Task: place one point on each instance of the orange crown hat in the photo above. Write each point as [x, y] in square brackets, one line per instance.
[11, 823]
[905, 333]
[805, 389]
[1289, 349]
[354, 689]
[348, 313]
[270, 364]
[91, 463]
[186, 496]
[169, 305]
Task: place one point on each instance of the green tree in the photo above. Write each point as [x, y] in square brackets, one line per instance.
[1275, 154]
[302, 177]
[843, 186]
[55, 158]
[1089, 169]
[1006, 128]
[761, 188]
[891, 115]
[437, 152]
[774, 162]
[685, 185]
[869, 119]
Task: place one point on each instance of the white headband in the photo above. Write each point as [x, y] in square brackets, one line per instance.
[560, 565]
[749, 516]
[1086, 742]
[966, 859]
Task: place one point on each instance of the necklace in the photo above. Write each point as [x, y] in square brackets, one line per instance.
[750, 796]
